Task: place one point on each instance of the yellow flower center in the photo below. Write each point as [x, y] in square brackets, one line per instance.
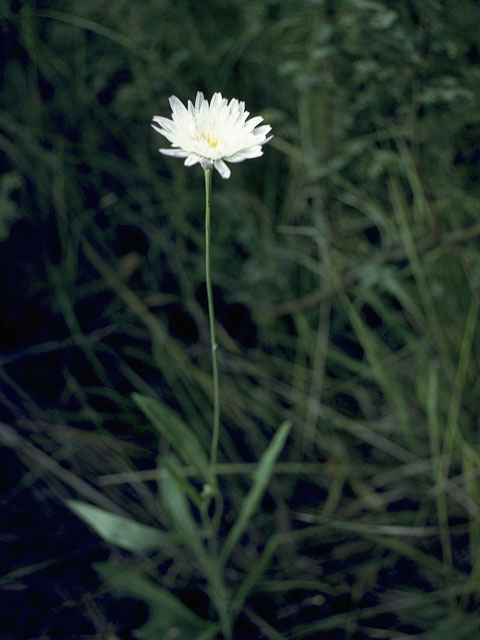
[211, 141]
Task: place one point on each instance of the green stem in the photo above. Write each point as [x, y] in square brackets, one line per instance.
[211, 318]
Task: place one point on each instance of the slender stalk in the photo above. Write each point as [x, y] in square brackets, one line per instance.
[211, 318]
[215, 575]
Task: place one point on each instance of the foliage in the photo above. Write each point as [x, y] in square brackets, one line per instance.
[346, 276]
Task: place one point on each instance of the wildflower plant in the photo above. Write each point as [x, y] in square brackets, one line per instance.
[212, 133]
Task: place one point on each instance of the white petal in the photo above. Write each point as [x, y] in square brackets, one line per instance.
[242, 116]
[216, 100]
[199, 100]
[244, 154]
[252, 123]
[158, 129]
[164, 122]
[262, 131]
[222, 168]
[233, 105]
[177, 106]
[191, 160]
[166, 134]
[176, 153]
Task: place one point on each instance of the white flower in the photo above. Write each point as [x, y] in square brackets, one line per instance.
[212, 133]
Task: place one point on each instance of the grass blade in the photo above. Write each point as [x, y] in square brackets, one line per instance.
[180, 436]
[167, 612]
[119, 530]
[178, 507]
[260, 482]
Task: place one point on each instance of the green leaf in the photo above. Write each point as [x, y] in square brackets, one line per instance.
[166, 612]
[180, 436]
[178, 507]
[170, 465]
[260, 481]
[119, 530]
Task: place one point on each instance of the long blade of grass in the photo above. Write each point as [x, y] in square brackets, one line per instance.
[434, 436]
[119, 530]
[180, 436]
[166, 611]
[260, 482]
[178, 507]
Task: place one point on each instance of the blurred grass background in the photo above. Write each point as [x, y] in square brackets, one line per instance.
[346, 273]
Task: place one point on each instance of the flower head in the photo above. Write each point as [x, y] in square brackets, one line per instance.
[212, 133]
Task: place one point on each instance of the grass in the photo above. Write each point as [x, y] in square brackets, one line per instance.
[346, 276]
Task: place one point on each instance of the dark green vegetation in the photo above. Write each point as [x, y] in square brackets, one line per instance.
[346, 270]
